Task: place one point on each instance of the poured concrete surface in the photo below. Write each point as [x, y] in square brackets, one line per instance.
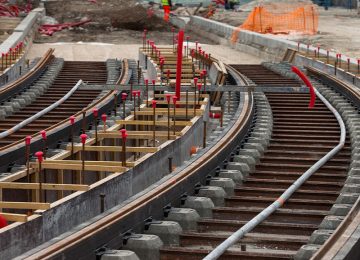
[104, 51]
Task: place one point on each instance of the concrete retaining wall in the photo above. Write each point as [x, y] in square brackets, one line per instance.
[24, 32]
[80, 207]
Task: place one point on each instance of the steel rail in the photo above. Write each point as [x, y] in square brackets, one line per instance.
[8, 90]
[259, 218]
[106, 222]
[338, 238]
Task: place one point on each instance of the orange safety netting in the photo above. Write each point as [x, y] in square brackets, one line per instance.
[280, 19]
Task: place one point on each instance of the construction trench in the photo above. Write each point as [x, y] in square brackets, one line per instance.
[166, 151]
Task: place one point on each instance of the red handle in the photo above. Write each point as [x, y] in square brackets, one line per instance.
[308, 84]
[174, 98]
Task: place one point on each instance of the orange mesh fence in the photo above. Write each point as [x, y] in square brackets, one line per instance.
[281, 19]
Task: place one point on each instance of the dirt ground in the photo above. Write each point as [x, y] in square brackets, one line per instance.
[338, 27]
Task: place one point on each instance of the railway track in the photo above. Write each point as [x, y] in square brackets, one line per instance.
[300, 138]
[260, 75]
[91, 72]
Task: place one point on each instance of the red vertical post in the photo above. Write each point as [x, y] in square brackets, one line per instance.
[179, 63]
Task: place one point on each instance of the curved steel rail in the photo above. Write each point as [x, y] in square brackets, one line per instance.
[263, 215]
[337, 240]
[9, 90]
[105, 223]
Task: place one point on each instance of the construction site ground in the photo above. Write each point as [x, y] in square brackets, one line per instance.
[109, 36]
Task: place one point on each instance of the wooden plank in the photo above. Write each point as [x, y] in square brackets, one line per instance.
[78, 167]
[138, 136]
[165, 113]
[190, 103]
[14, 217]
[183, 95]
[87, 163]
[45, 186]
[158, 123]
[24, 205]
[129, 149]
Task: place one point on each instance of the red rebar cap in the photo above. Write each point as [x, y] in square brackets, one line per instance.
[168, 97]
[103, 117]
[123, 133]
[195, 81]
[174, 98]
[43, 134]
[72, 120]
[146, 81]
[83, 138]
[124, 96]
[204, 72]
[96, 112]
[28, 140]
[153, 81]
[199, 86]
[173, 29]
[3, 222]
[39, 156]
[187, 38]
[138, 93]
[134, 93]
[154, 103]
